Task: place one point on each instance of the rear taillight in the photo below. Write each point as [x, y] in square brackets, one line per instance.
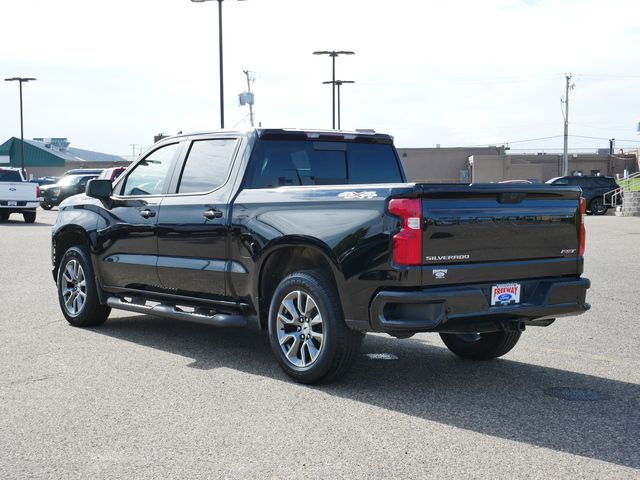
[582, 235]
[38, 193]
[407, 243]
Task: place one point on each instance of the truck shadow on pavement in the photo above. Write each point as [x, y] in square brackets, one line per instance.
[20, 223]
[502, 398]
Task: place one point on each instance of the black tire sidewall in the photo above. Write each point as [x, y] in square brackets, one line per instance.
[489, 346]
[601, 204]
[313, 286]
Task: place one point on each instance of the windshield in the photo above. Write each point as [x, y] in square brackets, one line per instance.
[70, 180]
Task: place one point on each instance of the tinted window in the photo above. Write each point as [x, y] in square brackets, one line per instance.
[84, 180]
[10, 176]
[148, 176]
[606, 182]
[207, 165]
[373, 164]
[277, 163]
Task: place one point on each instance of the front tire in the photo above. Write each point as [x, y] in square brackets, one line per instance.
[77, 292]
[307, 331]
[46, 206]
[480, 346]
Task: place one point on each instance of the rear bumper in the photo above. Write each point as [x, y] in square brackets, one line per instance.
[467, 308]
[20, 206]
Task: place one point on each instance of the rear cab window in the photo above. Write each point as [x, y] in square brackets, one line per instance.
[10, 176]
[207, 165]
[279, 163]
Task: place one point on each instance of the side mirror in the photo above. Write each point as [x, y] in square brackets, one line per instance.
[100, 189]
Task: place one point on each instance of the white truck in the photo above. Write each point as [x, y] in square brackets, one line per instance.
[17, 195]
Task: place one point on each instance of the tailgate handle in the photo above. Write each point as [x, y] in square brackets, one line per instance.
[511, 197]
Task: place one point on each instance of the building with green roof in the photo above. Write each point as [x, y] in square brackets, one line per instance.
[53, 156]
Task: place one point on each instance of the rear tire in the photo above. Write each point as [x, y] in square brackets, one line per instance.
[307, 331]
[29, 217]
[481, 346]
[597, 206]
[77, 292]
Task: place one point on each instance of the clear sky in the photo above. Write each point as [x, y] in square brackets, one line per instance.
[455, 73]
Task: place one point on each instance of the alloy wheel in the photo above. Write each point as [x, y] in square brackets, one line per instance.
[300, 329]
[74, 287]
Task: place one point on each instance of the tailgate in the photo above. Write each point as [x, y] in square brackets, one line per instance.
[501, 225]
[21, 192]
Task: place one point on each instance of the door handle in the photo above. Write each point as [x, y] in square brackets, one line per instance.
[147, 213]
[212, 213]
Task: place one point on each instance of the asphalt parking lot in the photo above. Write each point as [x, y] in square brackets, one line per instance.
[142, 397]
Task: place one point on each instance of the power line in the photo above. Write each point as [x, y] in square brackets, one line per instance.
[535, 139]
[604, 138]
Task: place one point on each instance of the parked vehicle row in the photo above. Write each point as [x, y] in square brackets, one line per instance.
[72, 183]
[67, 186]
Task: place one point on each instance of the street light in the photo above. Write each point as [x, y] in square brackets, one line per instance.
[338, 83]
[333, 54]
[20, 81]
[220, 47]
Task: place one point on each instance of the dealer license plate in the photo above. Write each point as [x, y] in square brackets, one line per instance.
[12, 203]
[505, 294]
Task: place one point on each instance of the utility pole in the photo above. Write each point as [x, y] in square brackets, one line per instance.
[133, 150]
[250, 78]
[333, 54]
[219, 57]
[565, 154]
[20, 81]
[338, 83]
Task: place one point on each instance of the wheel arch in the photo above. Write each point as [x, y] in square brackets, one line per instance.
[287, 256]
[65, 238]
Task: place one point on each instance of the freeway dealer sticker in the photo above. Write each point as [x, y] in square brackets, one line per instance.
[505, 294]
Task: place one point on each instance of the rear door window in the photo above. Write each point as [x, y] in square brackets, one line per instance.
[606, 182]
[207, 165]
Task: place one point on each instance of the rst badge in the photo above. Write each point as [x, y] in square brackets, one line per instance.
[505, 294]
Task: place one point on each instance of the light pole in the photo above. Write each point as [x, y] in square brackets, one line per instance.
[338, 83]
[220, 55]
[333, 54]
[20, 81]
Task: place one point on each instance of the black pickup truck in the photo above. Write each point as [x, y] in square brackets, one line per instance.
[316, 238]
